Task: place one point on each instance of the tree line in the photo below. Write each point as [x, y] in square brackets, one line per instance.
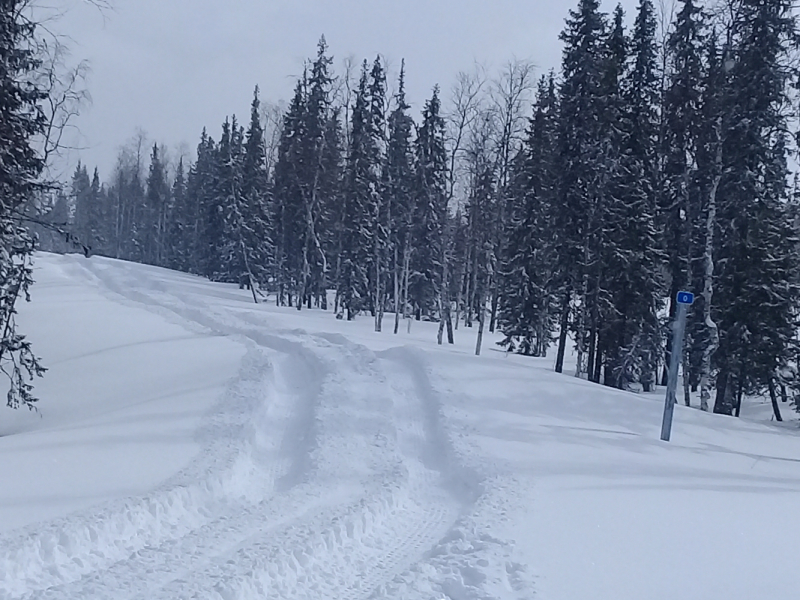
[568, 208]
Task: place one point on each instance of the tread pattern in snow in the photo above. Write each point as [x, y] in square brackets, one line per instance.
[327, 472]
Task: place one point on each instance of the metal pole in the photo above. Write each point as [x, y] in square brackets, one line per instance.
[674, 361]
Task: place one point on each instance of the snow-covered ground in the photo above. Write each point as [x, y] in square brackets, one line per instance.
[194, 445]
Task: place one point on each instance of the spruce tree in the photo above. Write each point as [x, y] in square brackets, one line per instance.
[361, 186]
[212, 219]
[398, 196]
[21, 120]
[156, 212]
[99, 239]
[57, 215]
[181, 221]
[755, 293]
[527, 308]
[329, 223]
[311, 176]
[233, 267]
[257, 238]
[581, 160]
[288, 207]
[378, 274]
[88, 220]
[199, 191]
[80, 196]
[138, 217]
[430, 210]
[632, 259]
[598, 329]
[680, 214]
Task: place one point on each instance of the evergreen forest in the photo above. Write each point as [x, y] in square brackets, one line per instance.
[564, 210]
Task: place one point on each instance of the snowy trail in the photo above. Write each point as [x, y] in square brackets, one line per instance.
[336, 477]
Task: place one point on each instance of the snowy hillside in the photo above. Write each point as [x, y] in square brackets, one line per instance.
[194, 445]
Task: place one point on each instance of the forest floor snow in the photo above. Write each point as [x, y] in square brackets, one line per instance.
[192, 444]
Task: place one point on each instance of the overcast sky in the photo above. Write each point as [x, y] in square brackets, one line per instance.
[174, 66]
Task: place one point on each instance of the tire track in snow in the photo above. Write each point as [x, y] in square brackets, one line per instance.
[369, 484]
[414, 515]
[97, 553]
[347, 552]
[354, 558]
[64, 550]
[469, 562]
[438, 453]
[229, 524]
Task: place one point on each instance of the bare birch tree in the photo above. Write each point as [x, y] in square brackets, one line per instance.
[511, 94]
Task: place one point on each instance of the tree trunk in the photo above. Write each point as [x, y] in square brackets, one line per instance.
[590, 360]
[668, 351]
[304, 279]
[739, 394]
[439, 335]
[598, 362]
[444, 294]
[459, 300]
[723, 405]
[378, 300]
[580, 330]
[481, 321]
[396, 292]
[495, 302]
[712, 343]
[562, 335]
[249, 273]
[773, 396]
[406, 269]
[609, 379]
[449, 324]
[687, 395]
[471, 284]
[378, 304]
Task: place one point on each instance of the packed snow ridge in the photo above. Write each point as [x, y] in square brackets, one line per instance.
[192, 444]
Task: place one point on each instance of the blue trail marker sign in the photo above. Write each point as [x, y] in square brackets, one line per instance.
[683, 299]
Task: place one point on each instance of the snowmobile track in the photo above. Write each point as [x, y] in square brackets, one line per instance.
[294, 532]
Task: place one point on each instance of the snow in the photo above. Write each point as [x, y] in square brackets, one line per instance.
[118, 411]
[194, 445]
